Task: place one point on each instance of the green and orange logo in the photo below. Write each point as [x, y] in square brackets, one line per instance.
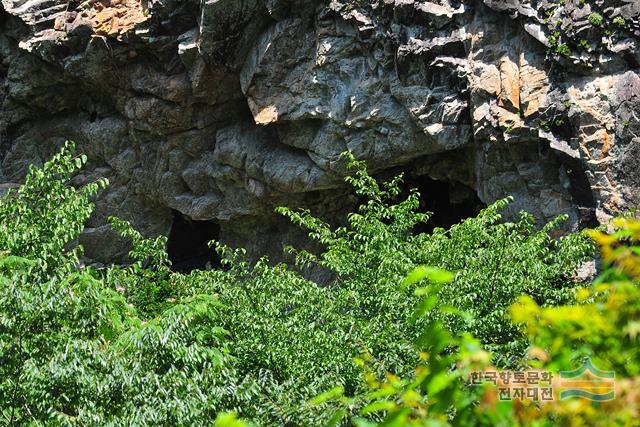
[587, 382]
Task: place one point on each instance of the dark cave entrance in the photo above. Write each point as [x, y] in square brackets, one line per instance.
[451, 202]
[580, 190]
[188, 247]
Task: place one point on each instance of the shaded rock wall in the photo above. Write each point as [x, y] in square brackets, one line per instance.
[223, 109]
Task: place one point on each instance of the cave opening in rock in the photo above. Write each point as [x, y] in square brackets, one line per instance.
[580, 190]
[188, 244]
[450, 202]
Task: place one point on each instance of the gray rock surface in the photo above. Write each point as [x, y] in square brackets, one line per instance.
[223, 109]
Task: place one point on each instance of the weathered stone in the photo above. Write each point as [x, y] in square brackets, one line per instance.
[223, 109]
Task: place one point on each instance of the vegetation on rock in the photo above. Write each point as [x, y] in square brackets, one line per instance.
[389, 341]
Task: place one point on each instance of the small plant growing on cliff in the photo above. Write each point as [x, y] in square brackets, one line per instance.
[563, 49]
[595, 19]
[544, 125]
[619, 21]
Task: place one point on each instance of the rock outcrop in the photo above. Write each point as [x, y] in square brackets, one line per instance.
[222, 109]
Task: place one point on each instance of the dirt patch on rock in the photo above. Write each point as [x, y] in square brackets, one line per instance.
[112, 18]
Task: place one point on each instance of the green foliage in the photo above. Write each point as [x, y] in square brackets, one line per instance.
[563, 49]
[44, 330]
[141, 345]
[45, 214]
[480, 250]
[565, 35]
[72, 350]
[595, 19]
[602, 326]
[229, 419]
[436, 393]
[619, 21]
[378, 249]
[605, 327]
[147, 282]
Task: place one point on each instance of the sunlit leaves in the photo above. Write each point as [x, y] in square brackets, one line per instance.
[603, 327]
[141, 345]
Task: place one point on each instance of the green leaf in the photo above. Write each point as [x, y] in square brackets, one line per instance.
[336, 418]
[435, 275]
[327, 395]
[381, 405]
[438, 383]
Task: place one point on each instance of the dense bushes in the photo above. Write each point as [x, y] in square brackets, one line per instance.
[494, 262]
[72, 349]
[603, 327]
[142, 345]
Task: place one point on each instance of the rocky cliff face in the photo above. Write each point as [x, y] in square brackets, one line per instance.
[219, 110]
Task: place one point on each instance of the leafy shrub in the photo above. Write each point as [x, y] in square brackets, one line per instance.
[144, 346]
[72, 350]
[147, 282]
[494, 261]
[604, 328]
[436, 392]
[45, 214]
